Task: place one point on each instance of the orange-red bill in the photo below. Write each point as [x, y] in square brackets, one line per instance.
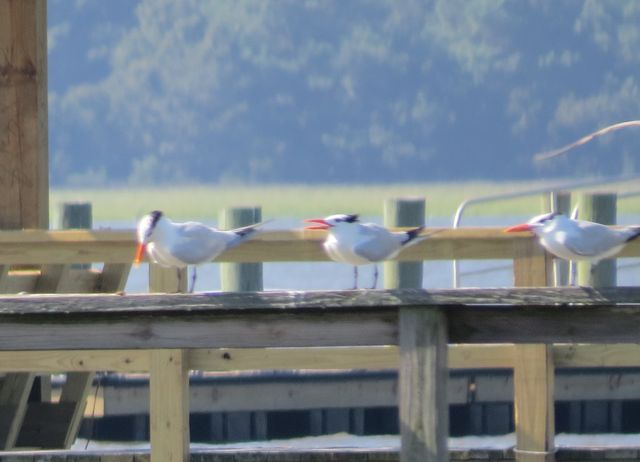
[139, 253]
[518, 228]
[321, 224]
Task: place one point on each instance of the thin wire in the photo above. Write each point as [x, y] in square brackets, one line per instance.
[585, 139]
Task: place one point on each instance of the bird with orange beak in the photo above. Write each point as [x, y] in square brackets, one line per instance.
[577, 240]
[177, 245]
[355, 243]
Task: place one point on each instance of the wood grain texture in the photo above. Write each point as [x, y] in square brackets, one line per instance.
[424, 408]
[24, 180]
[543, 299]
[169, 406]
[534, 403]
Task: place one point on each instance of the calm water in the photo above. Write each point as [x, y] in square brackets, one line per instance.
[336, 276]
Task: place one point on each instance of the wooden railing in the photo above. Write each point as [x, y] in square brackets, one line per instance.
[54, 251]
[167, 335]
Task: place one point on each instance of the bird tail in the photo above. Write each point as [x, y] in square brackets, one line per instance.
[635, 233]
[246, 232]
[413, 235]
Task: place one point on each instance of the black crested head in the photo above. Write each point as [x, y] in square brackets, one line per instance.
[546, 217]
[155, 216]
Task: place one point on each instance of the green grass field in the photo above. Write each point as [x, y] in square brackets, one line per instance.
[298, 201]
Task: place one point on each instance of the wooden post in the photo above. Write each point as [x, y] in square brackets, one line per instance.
[240, 277]
[601, 208]
[24, 176]
[532, 266]
[533, 368]
[533, 381]
[169, 406]
[559, 202]
[167, 280]
[423, 374]
[77, 215]
[400, 213]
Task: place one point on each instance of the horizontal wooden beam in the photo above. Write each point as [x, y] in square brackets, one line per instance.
[295, 302]
[85, 246]
[487, 356]
[308, 319]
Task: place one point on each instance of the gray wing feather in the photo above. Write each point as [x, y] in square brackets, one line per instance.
[199, 243]
[379, 243]
[592, 239]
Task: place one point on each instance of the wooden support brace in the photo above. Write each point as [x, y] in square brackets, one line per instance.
[14, 392]
[424, 409]
[113, 277]
[533, 379]
[169, 406]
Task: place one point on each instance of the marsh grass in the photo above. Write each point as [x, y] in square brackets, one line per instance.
[299, 201]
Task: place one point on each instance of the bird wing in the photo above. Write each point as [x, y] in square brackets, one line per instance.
[198, 243]
[377, 243]
[590, 239]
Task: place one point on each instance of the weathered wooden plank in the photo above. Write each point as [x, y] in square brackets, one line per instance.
[556, 299]
[424, 416]
[24, 177]
[283, 330]
[533, 402]
[169, 406]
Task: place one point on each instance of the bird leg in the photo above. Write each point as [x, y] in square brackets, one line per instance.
[375, 276]
[355, 277]
[179, 279]
[193, 280]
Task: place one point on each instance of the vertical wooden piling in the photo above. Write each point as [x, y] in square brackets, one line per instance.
[533, 381]
[240, 277]
[559, 202]
[401, 213]
[533, 368]
[424, 409]
[169, 406]
[77, 215]
[600, 208]
[24, 176]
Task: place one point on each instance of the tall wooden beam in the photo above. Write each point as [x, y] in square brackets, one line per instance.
[24, 184]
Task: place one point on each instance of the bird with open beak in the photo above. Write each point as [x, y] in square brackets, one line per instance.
[355, 243]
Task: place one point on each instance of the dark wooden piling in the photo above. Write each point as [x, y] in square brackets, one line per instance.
[240, 277]
[401, 213]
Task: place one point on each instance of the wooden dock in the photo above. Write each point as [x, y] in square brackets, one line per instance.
[168, 335]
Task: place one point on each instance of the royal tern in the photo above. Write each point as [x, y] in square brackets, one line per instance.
[577, 240]
[350, 241]
[178, 245]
